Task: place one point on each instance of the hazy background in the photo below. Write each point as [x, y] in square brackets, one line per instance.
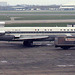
[37, 2]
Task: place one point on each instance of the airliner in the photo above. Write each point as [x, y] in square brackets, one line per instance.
[30, 34]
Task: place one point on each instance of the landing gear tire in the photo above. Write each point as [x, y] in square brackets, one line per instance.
[65, 48]
[28, 43]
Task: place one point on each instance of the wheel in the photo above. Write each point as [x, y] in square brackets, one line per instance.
[28, 43]
[65, 47]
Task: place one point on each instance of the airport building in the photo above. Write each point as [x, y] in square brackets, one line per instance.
[68, 6]
[23, 7]
[3, 3]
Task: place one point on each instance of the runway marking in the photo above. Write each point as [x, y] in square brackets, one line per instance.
[68, 54]
[49, 44]
[65, 65]
[35, 67]
[61, 65]
[67, 59]
[4, 61]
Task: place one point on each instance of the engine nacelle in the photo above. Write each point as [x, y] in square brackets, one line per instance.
[2, 33]
[7, 37]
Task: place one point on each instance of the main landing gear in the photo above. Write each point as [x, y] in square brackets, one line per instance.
[28, 43]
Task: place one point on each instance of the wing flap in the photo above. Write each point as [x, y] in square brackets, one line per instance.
[24, 37]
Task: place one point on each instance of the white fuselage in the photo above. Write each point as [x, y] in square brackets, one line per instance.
[17, 31]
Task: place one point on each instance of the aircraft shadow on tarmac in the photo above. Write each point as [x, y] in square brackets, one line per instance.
[13, 45]
[19, 45]
[59, 49]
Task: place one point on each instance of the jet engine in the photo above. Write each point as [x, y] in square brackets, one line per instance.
[7, 37]
[2, 33]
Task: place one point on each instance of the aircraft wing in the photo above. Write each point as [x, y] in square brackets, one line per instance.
[31, 37]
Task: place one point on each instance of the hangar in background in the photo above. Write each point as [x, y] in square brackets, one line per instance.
[68, 6]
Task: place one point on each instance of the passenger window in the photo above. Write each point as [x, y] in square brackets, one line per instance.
[64, 29]
[67, 29]
[45, 29]
[50, 29]
[38, 29]
[35, 29]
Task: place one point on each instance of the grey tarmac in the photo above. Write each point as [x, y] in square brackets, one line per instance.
[40, 59]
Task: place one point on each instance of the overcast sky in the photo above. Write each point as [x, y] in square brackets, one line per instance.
[37, 2]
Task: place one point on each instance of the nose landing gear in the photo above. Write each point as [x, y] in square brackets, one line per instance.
[28, 43]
